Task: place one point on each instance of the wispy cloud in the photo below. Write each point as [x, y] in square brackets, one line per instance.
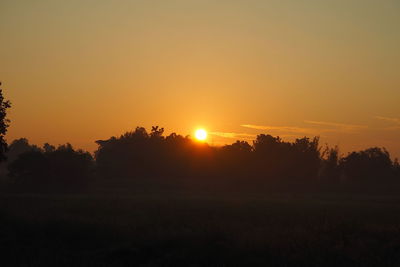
[234, 135]
[320, 128]
[289, 129]
[335, 126]
[395, 122]
[293, 131]
[314, 128]
[389, 119]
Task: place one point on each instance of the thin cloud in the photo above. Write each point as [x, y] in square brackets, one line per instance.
[395, 121]
[279, 128]
[246, 136]
[314, 130]
[234, 135]
[393, 128]
[336, 125]
[389, 119]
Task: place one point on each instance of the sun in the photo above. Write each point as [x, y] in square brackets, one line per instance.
[200, 134]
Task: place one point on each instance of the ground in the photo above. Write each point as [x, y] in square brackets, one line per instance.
[170, 229]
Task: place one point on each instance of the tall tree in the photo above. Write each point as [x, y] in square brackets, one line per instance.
[4, 123]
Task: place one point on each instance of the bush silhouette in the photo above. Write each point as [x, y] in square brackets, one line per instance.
[18, 147]
[60, 169]
[368, 165]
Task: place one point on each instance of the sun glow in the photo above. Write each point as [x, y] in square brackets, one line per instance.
[201, 134]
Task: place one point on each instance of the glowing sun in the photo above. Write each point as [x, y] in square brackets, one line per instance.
[201, 134]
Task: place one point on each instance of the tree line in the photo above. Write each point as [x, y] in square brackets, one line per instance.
[152, 158]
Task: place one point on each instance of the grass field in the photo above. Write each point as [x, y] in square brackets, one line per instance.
[199, 230]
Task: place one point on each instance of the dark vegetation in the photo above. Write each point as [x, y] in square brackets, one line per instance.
[145, 199]
[4, 123]
[151, 161]
[50, 169]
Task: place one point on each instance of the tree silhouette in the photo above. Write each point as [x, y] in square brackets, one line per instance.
[329, 169]
[150, 160]
[396, 167]
[370, 164]
[52, 169]
[18, 147]
[4, 123]
[292, 161]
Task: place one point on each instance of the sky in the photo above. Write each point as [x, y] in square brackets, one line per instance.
[78, 71]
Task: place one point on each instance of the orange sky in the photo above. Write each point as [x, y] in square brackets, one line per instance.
[78, 71]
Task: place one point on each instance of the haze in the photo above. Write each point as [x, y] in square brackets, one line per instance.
[79, 71]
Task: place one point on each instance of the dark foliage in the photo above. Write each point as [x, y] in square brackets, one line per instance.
[52, 169]
[18, 147]
[4, 123]
[143, 156]
[279, 159]
[150, 160]
[370, 164]
[329, 169]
